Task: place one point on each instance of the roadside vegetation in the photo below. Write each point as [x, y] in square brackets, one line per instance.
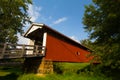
[62, 71]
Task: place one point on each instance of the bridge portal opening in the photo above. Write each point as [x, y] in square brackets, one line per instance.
[37, 36]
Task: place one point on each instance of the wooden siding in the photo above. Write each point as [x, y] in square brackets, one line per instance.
[59, 50]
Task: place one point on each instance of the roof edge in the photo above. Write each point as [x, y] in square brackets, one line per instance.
[37, 24]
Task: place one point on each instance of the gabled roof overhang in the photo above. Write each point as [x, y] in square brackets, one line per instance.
[32, 28]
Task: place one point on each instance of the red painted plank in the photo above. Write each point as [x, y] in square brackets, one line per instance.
[59, 50]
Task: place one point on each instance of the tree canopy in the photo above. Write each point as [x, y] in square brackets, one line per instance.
[102, 22]
[13, 17]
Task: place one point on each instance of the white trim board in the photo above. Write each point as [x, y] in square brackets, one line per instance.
[33, 27]
[44, 42]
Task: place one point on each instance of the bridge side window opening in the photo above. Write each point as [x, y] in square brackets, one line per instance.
[78, 53]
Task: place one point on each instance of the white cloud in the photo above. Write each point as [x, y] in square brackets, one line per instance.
[34, 12]
[60, 20]
[75, 39]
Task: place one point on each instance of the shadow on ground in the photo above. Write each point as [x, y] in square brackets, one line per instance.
[11, 76]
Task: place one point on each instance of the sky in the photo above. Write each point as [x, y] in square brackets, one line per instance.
[65, 16]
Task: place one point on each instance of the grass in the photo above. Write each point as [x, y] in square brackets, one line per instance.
[61, 77]
[9, 73]
[69, 73]
[69, 67]
[2, 73]
[4, 70]
[74, 65]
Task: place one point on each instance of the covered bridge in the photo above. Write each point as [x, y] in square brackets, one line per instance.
[46, 45]
[58, 47]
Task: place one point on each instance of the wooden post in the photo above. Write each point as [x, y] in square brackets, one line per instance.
[43, 49]
[36, 50]
[23, 51]
[4, 48]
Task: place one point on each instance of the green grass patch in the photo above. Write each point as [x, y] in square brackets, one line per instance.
[69, 72]
[7, 70]
[64, 67]
[3, 73]
[61, 77]
[74, 65]
[28, 77]
[9, 73]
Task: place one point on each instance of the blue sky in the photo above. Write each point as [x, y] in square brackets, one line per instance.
[65, 16]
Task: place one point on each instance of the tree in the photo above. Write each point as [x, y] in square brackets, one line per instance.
[87, 43]
[13, 17]
[102, 22]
